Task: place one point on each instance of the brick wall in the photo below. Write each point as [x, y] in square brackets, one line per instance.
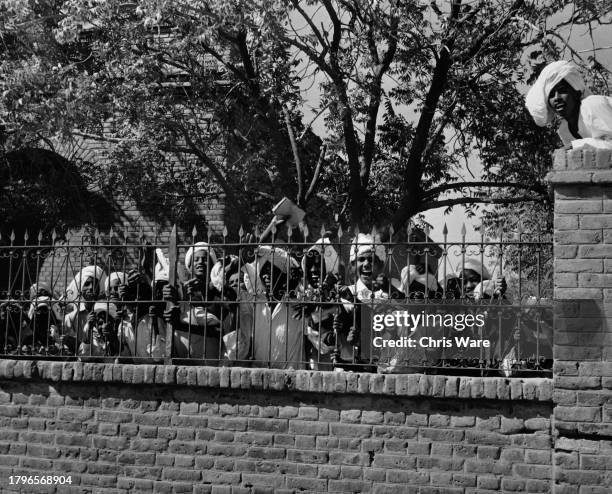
[131, 218]
[125, 428]
[582, 182]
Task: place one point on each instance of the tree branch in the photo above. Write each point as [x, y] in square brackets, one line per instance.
[382, 65]
[210, 164]
[493, 27]
[372, 46]
[231, 67]
[426, 206]
[296, 157]
[444, 120]
[333, 15]
[414, 163]
[459, 185]
[101, 138]
[317, 172]
[310, 53]
[247, 62]
[312, 121]
[409, 203]
[315, 31]
[595, 49]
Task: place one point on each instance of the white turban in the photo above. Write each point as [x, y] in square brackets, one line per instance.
[161, 273]
[276, 256]
[486, 287]
[40, 286]
[365, 243]
[109, 308]
[217, 274]
[328, 253]
[162, 266]
[474, 265]
[114, 276]
[537, 97]
[74, 288]
[42, 301]
[265, 253]
[426, 279]
[199, 246]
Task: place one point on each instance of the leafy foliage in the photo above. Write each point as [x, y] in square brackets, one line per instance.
[201, 97]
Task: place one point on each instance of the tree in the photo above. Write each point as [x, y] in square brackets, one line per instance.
[250, 66]
[460, 67]
[180, 128]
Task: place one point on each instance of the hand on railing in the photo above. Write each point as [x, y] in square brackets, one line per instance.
[381, 283]
[170, 294]
[301, 310]
[247, 254]
[194, 289]
[329, 286]
[134, 277]
[500, 287]
[127, 290]
[122, 291]
[353, 336]
[172, 314]
[329, 339]
[91, 319]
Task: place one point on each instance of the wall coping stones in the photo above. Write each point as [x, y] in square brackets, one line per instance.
[582, 177]
[582, 159]
[581, 166]
[305, 381]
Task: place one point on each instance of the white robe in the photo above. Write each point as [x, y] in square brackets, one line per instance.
[278, 338]
[144, 343]
[94, 345]
[594, 124]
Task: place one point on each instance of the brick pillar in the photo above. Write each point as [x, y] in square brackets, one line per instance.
[582, 183]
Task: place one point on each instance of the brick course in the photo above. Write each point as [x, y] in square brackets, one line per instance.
[120, 435]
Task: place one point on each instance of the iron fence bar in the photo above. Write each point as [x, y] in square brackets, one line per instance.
[309, 305]
[124, 309]
[463, 251]
[237, 324]
[137, 306]
[64, 306]
[190, 273]
[24, 264]
[35, 299]
[172, 260]
[482, 263]
[8, 291]
[306, 244]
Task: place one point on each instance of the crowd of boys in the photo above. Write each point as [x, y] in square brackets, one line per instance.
[275, 308]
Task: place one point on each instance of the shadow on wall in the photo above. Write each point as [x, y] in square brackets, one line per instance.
[237, 402]
[580, 329]
[40, 191]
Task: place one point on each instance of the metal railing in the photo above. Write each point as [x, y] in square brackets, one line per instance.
[351, 301]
